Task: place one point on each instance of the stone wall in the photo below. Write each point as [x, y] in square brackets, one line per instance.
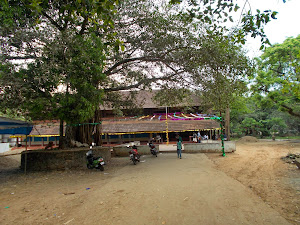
[41, 160]
[122, 150]
[229, 146]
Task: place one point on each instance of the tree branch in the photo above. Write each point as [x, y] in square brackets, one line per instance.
[144, 58]
[290, 110]
[277, 71]
[53, 22]
[124, 61]
[20, 57]
[83, 26]
[143, 81]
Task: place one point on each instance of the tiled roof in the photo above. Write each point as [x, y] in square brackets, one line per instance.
[45, 128]
[135, 125]
[157, 126]
[146, 99]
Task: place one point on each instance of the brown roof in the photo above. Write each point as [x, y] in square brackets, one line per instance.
[133, 125]
[157, 126]
[146, 99]
[44, 128]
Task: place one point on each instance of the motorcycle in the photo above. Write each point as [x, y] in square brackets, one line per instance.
[134, 155]
[94, 162]
[153, 149]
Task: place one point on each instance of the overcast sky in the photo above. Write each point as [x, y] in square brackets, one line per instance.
[286, 25]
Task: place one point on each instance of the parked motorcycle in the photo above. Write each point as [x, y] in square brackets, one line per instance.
[134, 155]
[153, 149]
[94, 162]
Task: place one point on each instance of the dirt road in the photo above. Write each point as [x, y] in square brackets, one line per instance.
[259, 167]
[163, 190]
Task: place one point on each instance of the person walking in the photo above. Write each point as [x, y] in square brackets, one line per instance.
[179, 146]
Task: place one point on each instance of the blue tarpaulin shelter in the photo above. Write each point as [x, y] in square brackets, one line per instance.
[12, 126]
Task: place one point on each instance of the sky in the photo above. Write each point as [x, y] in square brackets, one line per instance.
[286, 25]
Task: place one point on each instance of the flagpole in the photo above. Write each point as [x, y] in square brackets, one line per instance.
[167, 128]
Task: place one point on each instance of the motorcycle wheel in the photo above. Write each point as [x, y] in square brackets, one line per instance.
[101, 168]
[134, 162]
[89, 166]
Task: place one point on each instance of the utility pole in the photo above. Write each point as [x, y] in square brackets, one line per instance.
[167, 127]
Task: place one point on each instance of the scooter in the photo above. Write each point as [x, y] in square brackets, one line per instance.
[94, 162]
[134, 155]
[153, 149]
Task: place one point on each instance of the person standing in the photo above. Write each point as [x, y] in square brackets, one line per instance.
[195, 137]
[179, 146]
[199, 137]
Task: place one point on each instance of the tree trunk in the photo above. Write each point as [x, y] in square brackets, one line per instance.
[61, 135]
[98, 128]
[69, 135]
[222, 122]
[227, 123]
[85, 132]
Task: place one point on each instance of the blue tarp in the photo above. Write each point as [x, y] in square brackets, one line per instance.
[13, 127]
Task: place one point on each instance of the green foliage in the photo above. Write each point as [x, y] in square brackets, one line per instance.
[62, 84]
[262, 117]
[224, 79]
[278, 75]
[81, 50]
[172, 96]
[184, 53]
[66, 42]
[276, 124]
[250, 124]
[215, 13]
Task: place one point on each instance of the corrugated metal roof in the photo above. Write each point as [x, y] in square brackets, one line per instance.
[13, 126]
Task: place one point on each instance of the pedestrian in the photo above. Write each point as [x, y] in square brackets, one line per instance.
[199, 137]
[179, 146]
[194, 137]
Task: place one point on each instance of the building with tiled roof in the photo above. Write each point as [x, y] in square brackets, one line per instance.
[142, 128]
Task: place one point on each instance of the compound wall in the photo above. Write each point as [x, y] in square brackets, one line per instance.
[123, 150]
[41, 160]
[229, 146]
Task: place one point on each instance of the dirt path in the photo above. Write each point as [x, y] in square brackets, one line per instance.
[258, 166]
[163, 190]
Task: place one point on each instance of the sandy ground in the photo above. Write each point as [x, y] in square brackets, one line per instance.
[251, 186]
[259, 167]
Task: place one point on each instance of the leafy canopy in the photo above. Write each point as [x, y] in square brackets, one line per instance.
[77, 50]
[62, 46]
[278, 75]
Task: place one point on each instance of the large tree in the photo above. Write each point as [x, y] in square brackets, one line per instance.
[61, 47]
[185, 54]
[77, 54]
[225, 79]
[257, 115]
[278, 75]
